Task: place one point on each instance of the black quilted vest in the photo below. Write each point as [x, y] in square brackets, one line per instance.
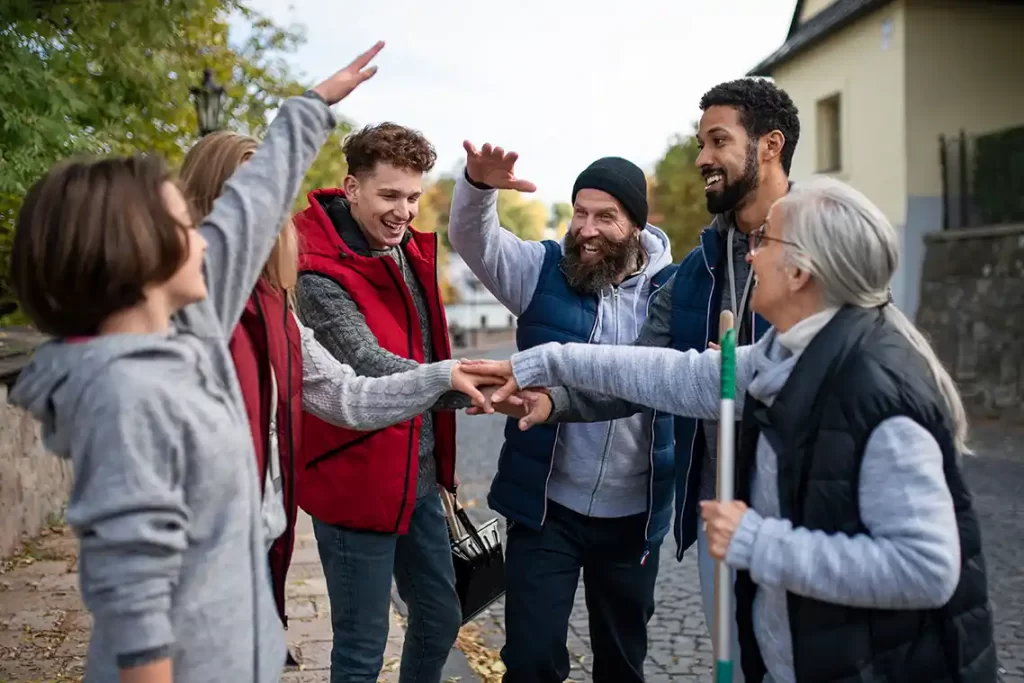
[858, 371]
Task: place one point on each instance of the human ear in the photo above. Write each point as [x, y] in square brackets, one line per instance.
[772, 145]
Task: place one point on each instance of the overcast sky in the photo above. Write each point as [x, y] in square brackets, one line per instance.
[562, 82]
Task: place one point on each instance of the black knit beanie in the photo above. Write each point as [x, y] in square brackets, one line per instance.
[621, 179]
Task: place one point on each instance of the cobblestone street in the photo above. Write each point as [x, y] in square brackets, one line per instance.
[680, 649]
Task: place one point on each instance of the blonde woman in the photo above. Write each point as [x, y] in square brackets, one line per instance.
[283, 370]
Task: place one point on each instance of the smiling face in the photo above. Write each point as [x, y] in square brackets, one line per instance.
[728, 159]
[602, 245]
[384, 203]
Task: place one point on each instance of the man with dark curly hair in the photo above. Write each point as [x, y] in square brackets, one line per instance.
[747, 135]
[368, 288]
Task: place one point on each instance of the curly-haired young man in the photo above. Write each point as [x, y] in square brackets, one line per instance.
[368, 288]
[747, 135]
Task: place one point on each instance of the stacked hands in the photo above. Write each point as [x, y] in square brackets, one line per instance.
[492, 387]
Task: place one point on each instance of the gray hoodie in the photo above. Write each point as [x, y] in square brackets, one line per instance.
[600, 469]
[165, 501]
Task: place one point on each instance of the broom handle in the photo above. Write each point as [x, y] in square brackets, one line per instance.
[725, 478]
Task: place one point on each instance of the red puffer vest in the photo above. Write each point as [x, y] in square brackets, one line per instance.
[367, 480]
[267, 339]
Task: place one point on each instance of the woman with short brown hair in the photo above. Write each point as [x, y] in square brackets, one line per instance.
[139, 393]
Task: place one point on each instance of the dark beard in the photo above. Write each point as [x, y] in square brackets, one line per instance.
[735, 192]
[618, 259]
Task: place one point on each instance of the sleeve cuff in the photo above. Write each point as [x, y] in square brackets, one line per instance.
[529, 367]
[559, 404]
[741, 547]
[139, 636]
[473, 183]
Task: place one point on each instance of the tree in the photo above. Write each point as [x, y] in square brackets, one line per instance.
[561, 214]
[106, 77]
[676, 195]
[525, 218]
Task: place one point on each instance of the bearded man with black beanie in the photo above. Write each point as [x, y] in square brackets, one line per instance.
[593, 497]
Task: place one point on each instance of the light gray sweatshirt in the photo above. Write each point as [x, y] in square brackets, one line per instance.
[600, 469]
[165, 501]
[909, 560]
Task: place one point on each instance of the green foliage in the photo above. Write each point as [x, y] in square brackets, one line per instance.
[676, 196]
[113, 77]
[999, 176]
[525, 218]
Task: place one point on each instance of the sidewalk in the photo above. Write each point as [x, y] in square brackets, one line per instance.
[44, 629]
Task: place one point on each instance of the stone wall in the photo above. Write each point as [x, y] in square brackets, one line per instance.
[972, 310]
[34, 484]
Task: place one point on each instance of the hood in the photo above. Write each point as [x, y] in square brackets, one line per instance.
[52, 384]
[659, 255]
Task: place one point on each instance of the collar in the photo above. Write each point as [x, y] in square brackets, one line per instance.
[797, 338]
[340, 213]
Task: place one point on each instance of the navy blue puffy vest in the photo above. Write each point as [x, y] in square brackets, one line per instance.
[696, 303]
[558, 314]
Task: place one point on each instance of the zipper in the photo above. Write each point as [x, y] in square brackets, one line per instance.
[446, 350]
[650, 458]
[554, 445]
[289, 515]
[611, 423]
[388, 264]
[693, 440]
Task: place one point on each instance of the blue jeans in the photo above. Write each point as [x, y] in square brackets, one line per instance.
[542, 571]
[706, 569]
[358, 566]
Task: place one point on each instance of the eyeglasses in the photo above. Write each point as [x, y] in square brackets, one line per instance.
[759, 237]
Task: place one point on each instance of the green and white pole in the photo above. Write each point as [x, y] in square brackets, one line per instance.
[726, 461]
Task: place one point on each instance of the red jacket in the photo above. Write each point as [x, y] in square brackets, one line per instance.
[367, 480]
[267, 338]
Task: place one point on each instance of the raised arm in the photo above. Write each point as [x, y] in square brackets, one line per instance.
[508, 266]
[685, 384]
[910, 557]
[340, 328]
[257, 199]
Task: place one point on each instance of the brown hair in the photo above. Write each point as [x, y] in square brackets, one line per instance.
[388, 143]
[91, 235]
[207, 166]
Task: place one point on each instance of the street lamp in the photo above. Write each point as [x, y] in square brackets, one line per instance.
[209, 99]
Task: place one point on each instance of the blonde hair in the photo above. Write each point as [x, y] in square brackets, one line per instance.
[207, 166]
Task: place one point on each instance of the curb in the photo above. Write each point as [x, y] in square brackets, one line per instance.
[457, 667]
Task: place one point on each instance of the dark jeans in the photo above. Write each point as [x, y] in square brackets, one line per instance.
[542, 572]
[358, 566]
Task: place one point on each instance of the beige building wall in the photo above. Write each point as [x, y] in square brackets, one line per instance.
[864, 64]
[964, 70]
[812, 7]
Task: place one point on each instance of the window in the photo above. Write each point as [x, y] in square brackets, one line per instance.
[829, 135]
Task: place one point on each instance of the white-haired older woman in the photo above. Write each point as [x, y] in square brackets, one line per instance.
[857, 550]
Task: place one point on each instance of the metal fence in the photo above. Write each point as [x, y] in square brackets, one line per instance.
[982, 178]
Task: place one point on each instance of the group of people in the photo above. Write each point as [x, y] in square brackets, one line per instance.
[219, 363]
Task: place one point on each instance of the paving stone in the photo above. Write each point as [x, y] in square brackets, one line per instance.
[996, 477]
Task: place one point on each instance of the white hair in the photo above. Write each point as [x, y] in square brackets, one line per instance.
[846, 242]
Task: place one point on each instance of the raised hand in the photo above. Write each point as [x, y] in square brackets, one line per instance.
[340, 85]
[494, 167]
[467, 382]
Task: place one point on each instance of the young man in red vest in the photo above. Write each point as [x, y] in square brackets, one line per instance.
[368, 288]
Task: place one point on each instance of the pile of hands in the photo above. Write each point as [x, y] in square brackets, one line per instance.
[492, 387]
